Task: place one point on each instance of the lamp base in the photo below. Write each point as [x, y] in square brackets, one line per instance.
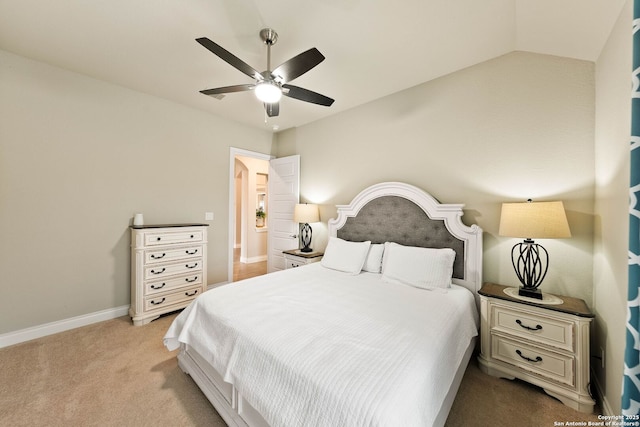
[530, 293]
[305, 237]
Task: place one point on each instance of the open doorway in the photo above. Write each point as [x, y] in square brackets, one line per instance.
[247, 223]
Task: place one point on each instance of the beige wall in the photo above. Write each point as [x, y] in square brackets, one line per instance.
[78, 157]
[515, 127]
[613, 118]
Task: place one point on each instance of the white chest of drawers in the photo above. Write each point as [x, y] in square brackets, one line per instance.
[168, 268]
[546, 345]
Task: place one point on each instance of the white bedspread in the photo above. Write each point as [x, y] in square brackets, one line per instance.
[315, 347]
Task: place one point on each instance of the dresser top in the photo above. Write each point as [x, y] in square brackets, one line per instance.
[569, 305]
[142, 227]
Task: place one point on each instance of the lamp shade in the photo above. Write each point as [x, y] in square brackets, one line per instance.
[306, 213]
[541, 220]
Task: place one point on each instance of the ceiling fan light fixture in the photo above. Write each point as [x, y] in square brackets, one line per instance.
[268, 92]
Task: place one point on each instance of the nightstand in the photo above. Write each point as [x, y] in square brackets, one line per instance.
[295, 258]
[543, 344]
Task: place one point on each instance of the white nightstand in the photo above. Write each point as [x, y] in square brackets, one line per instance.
[545, 345]
[295, 258]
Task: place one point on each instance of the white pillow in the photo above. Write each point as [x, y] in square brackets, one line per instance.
[345, 256]
[425, 268]
[373, 263]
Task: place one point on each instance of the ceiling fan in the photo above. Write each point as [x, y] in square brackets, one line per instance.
[270, 85]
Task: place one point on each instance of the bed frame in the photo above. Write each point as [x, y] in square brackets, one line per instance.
[390, 211]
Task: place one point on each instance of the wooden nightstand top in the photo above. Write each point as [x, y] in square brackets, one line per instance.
[569, 305]
[297, 252]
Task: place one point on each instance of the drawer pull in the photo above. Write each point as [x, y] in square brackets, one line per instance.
[158, 272]
[153, 256]
[158, 287]
[192, 280]
[159, 238]
[528, 359]
[192, 236]
[159, 302]
[529, 328]
[191, 253]
[191, 266]
[192, 294]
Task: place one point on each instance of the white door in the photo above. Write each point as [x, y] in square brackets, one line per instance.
[283, 194]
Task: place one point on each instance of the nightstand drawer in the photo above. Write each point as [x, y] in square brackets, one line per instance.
[294, 263]
[533, 327]
[555, 366]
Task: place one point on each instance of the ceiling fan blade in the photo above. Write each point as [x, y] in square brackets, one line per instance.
[272, 109]
[298, 65]
[227, 89]
[306, 95]
[230, 58]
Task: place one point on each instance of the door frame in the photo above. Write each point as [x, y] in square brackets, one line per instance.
[233, 152]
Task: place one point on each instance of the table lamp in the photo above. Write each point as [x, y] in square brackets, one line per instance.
[540, 220]
[304, 214]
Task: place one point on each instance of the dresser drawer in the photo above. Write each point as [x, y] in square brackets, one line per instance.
[170, 254]
[183, 295]
[151, 288]
[166, 238]
[555, 366]
[163, 270]
[530, 326]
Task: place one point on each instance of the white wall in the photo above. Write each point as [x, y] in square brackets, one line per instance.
[613, 124]
[518, 126]
[78, 157]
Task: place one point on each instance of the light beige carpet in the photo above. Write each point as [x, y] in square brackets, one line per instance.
[114, 374]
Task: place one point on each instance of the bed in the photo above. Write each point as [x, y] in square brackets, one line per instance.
[358, 339]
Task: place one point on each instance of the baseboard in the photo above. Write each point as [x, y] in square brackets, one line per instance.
[601, 398]
[215, 285]
[40, 331]
[254, 259]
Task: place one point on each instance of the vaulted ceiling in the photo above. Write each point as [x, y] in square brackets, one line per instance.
[372, 48]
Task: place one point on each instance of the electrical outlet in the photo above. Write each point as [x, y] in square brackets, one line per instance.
[208, 216]
[602, 356]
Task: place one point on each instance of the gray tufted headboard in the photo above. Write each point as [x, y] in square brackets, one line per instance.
[399, 220]
[401, 213]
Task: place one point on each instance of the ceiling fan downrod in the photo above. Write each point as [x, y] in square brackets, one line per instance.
[269, 37]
